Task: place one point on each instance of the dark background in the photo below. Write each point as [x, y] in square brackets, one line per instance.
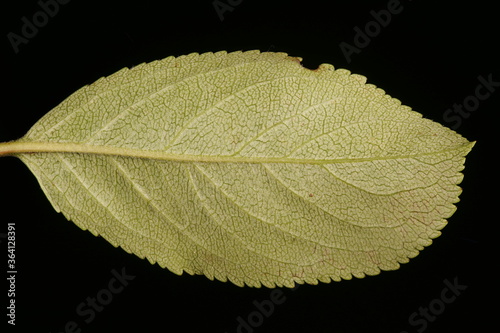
[429, 57]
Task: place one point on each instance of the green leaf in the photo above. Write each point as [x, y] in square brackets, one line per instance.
[248, 167]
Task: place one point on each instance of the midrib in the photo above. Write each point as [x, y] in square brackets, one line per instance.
[20, 147]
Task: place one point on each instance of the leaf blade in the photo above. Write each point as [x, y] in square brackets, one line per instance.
[277, 175]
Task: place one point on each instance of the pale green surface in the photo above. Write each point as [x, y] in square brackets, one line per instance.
[306, 176]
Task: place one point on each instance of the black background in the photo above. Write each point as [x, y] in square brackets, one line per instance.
[429, 57]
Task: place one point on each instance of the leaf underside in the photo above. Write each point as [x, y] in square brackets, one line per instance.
[250, 168]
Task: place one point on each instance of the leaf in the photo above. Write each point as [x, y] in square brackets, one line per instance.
[248, 167]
